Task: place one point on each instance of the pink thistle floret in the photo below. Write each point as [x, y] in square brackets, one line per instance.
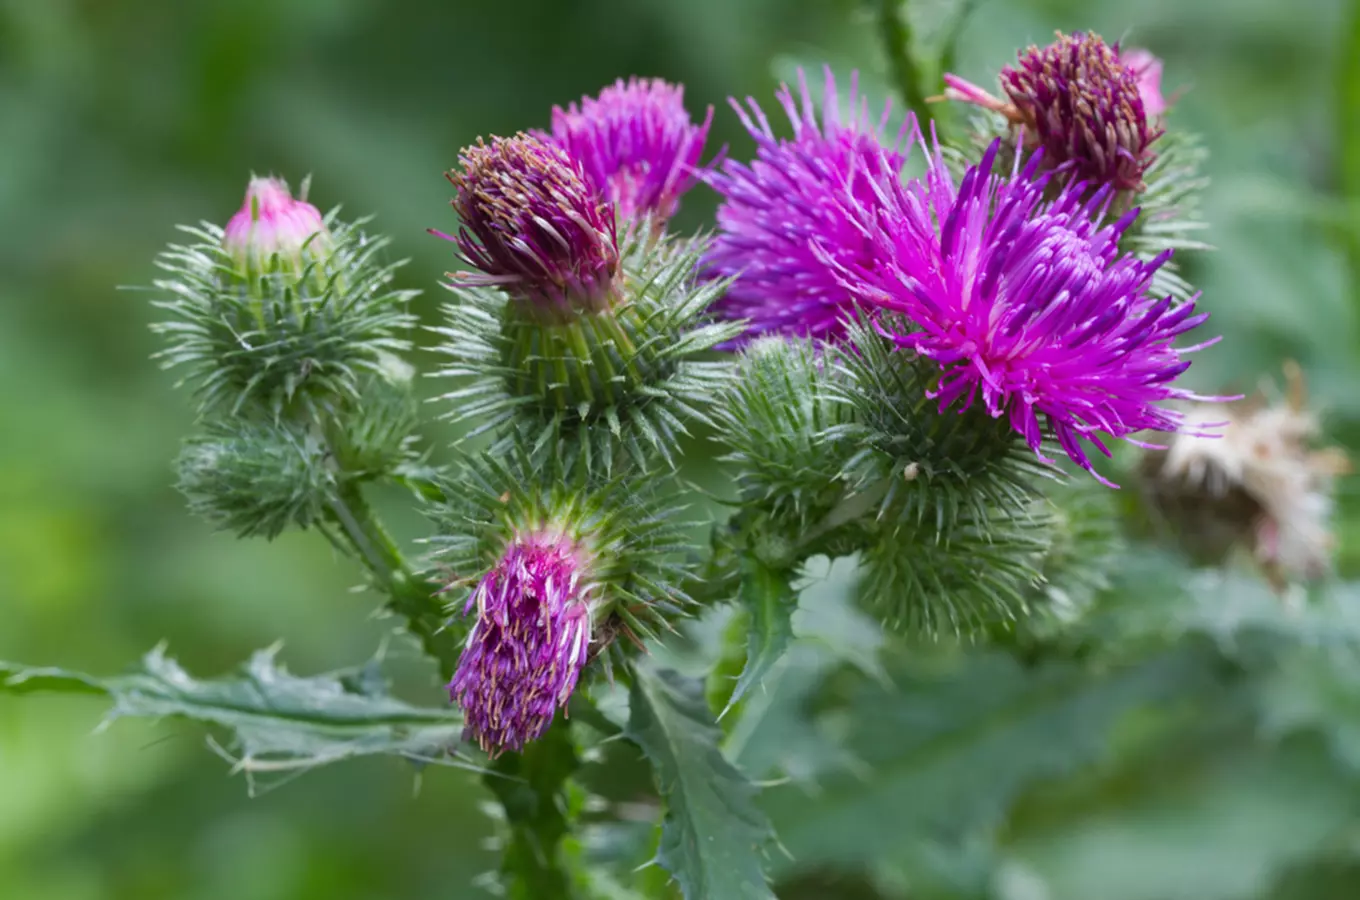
[1148, 70]
[274, 231]
[636, 143]
[529, 643]
[775, 207]
[1027, 304]
[534, 227]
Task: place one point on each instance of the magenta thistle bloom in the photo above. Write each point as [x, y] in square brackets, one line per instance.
[1081, 103]
[528, 646]
[533, 226]
[636, 143]
[273, 232]
[1027, 303]
[776, 206]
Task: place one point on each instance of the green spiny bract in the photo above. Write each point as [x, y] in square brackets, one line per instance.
[1169, 216]
[627, 525]
[274, 339]
[257, 477]
[373, 434]
[923, 465]
[773, 418]
[628, 375]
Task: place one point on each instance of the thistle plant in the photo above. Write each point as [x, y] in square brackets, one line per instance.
[910, 352]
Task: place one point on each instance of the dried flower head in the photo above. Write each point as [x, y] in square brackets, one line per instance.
[528, 646]
[775, 207]
[1026, 303]
[1260, 483]
[272, 232]
[636, 143]
[534, 227]
[1084, 105]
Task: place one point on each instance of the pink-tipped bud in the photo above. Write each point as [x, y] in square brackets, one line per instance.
[274, 233]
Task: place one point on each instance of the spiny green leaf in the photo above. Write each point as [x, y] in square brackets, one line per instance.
[279, 722]
[713, 834]
[769, 598]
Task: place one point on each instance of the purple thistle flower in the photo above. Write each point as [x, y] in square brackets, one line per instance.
[273, 232]
[534, 227]
[1082, 104]
[528, 646]
[774, 208]
[636, 143]
[1027, 303]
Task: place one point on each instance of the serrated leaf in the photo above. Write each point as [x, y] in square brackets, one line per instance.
[713, 836]
[948, 750]
[770, 600]
[279, 722]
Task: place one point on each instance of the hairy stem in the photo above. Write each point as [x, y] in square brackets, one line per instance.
[533, 788]
[894, 30]
[413, 596]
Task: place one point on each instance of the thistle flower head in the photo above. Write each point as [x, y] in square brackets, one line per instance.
[1084, 105]
[528, 646]
[1027, 304]
[636, 143]
[273, 232]
[775, 207]
[534, 227]
[1262, 482]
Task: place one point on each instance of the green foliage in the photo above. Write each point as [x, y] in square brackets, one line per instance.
[631, 376]
[769, 600]
[288, 341]
[713, 836]
[279, 723]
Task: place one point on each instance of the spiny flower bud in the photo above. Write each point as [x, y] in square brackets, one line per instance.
[273, 232]
[1082, 104]
[528, 646]
[637, 144]
[534, 227]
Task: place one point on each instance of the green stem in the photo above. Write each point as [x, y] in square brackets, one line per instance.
[533, 788]
[894, 31]
[412, 596]
[1348, 140]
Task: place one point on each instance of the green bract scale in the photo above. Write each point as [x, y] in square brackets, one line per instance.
[282, 311]
[633, 373]
[625, 532]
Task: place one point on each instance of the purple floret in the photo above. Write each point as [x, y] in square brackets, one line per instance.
[528, 646]
[636, 143]
[775, 207]
[1026, 303]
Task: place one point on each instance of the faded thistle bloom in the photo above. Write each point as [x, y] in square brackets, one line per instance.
[1088, 108]
[272, 232]
[636, 143]
[528, 646]
[1261, 483]
[776, 206]
[1025, 303]
[534, 227]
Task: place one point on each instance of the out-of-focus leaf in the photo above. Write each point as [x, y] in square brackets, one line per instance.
[947, 750]
[279, 722]
[1317, 691]
[1217, 825]
[713, 836]
[769, 600]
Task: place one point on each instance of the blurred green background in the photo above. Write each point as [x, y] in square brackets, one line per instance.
[119, 118]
